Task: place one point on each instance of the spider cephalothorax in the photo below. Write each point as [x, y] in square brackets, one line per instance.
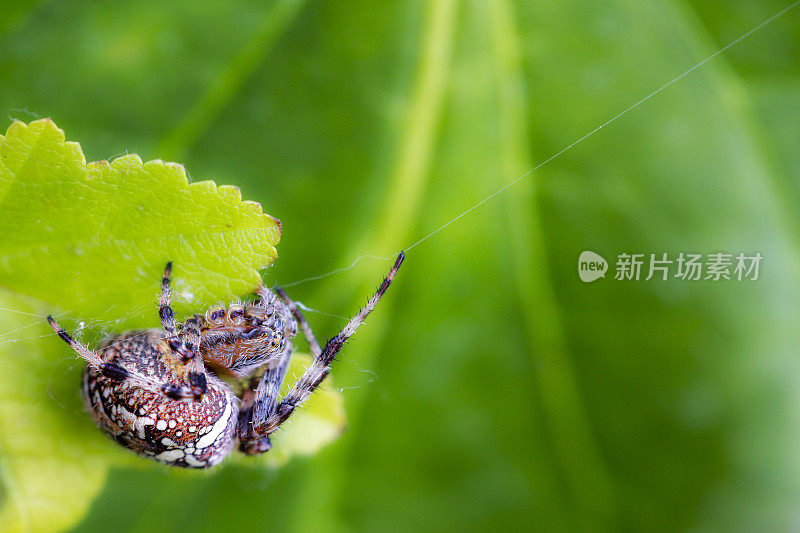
[160, 393]
[239, 339]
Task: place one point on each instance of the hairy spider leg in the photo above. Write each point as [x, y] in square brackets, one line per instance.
[266, 422]
[189, 336]
[118, 373]
[264, 394]
[165, 309]
[316, 350]
[186, 341]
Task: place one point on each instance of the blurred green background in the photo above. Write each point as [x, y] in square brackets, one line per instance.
[492, 389]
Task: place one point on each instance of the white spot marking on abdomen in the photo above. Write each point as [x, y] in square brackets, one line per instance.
[220, 426]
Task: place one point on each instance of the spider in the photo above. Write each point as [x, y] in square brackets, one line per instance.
[165, 393]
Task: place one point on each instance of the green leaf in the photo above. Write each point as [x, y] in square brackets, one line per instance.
[91, 241]
[94, 237]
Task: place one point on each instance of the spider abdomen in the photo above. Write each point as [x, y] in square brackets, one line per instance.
[179, 432]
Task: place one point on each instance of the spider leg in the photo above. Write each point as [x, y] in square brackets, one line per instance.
[116, 372]
[189, 350]
[185, 342]
[315, 374]
[91, 357]
[165, 312]
[259, 402]
[316, 350]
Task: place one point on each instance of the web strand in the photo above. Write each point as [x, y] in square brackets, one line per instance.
[609, 121]
[343, 269]
[566, 148]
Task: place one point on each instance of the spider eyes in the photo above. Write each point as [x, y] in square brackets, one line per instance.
[215, 315]
[267, 326]
[218, 315]
[236, 315]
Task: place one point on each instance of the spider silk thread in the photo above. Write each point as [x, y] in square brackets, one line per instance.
[557, 154]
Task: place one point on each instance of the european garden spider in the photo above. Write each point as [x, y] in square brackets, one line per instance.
[161, 394]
